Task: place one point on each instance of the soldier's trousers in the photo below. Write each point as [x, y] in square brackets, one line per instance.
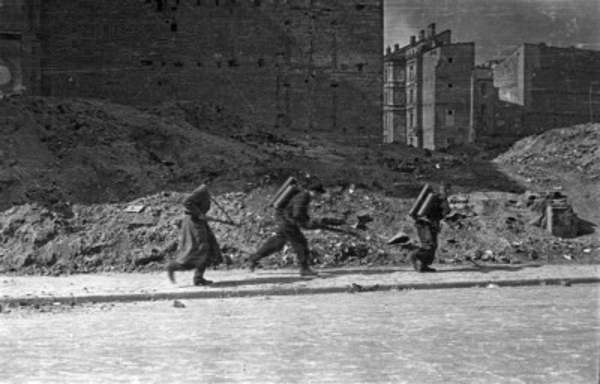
[428, 234]
[286, 232]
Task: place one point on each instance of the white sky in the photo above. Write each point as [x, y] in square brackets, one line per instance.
[497, 26]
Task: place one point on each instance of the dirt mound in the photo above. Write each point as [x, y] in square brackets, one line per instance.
[565, 159]
[572, 149]
[70, 169]
[91, 151]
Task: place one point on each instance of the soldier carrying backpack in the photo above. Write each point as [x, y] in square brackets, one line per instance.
[291, 205]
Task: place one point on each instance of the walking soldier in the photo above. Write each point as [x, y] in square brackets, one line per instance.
[198, 246]
[427, 223]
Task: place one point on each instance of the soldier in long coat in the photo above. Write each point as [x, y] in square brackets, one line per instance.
[198, 246]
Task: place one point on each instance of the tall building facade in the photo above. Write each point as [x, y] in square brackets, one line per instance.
[549, 86]
[429, 81]
[394, 97]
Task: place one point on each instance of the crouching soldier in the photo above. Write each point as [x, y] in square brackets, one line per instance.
[198, 247]
[428, 228]
[290, 218]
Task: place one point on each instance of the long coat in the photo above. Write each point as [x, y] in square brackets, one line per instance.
[198, 245]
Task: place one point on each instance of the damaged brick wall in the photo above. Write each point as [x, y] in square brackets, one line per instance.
[302, 64]
[552, 86]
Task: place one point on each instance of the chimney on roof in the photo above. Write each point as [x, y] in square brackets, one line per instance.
[422, 35]
[431, 30]
[413, 40]
[396, 47]
[388, 50]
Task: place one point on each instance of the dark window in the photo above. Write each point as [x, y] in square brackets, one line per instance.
[450, 60]
[483, 88]
[173, 27]
[483, 109]
[450, 85]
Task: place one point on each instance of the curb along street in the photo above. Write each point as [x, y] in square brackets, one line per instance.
[80, 289]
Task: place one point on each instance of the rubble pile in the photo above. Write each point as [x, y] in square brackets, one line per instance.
[573, 149]
[143, 234]
[89, 186]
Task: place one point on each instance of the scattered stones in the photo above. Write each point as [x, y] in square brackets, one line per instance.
[178, 304]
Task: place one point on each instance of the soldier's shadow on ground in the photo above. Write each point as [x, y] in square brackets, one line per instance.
[490, 268]
[337, 272]
[260, 281]
[322, 274]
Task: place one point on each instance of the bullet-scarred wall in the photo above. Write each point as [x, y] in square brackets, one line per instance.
[302, 64]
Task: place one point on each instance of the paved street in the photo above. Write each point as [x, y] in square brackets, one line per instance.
[478, 335]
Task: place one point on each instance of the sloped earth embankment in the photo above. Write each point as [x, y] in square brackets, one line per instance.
[565, 160]
[69, 169]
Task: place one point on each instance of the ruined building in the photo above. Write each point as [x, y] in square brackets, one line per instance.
[428, 91]
[484, 101]
[434, 95]
[297, 64]
[542, 87]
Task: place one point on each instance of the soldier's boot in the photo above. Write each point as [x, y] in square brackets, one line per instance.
[306, 271]
[427, 268]
[252, 262]
[199, 279]
[252, 265]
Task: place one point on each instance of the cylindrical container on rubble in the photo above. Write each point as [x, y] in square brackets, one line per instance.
[417, 205]
[285, 197]
[290, 181]
[427, 205]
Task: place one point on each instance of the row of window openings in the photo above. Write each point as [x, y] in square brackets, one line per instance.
[160, 4]
[230, 63]
[411, 94]
[449, 118]
[411, 69]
